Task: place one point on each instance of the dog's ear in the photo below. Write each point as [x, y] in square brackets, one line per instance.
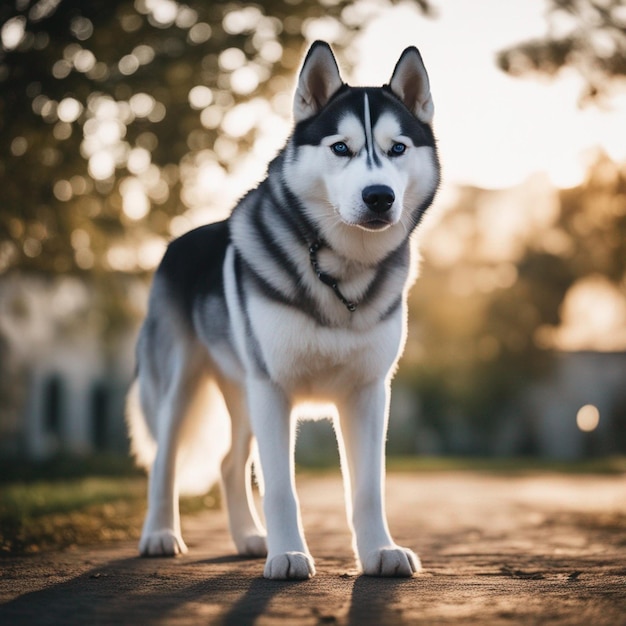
[319, 79]
[410, 83]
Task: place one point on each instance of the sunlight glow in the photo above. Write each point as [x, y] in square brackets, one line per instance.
[150, 253]
[593, 317]
[493, 130]
[326, 28]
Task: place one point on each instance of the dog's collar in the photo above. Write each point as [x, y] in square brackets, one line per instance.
[327, 279]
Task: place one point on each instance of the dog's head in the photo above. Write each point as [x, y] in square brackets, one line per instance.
[363, 157]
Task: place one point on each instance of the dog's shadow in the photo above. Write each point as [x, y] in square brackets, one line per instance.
[133, 591]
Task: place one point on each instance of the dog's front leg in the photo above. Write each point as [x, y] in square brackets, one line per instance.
[288, 555]
[363, 418]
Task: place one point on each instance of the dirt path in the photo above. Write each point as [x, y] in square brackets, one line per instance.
[547, 549]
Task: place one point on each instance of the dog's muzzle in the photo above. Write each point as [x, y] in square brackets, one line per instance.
[378, 199]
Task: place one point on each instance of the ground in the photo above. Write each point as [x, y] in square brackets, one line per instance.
[516, 549]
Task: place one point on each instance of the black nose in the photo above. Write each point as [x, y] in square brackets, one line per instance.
[378, 198]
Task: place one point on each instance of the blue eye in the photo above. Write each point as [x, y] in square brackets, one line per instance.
[397, 149]
[340, 149]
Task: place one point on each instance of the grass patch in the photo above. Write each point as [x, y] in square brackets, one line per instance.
[506, 465]
[60, 512]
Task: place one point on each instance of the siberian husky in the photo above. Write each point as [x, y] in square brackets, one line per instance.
[299, 296]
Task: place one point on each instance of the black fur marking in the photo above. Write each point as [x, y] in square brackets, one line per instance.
[381, 100]
[395, 305]
[397, 259]
[271, 244]
[297, 216]
[263, 285]
[192, 265]
[290, 212]
[256, 354]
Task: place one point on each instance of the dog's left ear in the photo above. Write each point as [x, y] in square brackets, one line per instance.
[410, 83]
[319, 79]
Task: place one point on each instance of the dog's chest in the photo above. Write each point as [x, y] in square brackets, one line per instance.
[308, 359]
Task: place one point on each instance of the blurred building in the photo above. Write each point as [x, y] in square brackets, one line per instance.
[580, 408]
[63, 377]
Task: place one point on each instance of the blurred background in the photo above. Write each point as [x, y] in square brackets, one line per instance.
[125, 123]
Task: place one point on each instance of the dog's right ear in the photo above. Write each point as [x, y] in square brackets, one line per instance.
[319, 79]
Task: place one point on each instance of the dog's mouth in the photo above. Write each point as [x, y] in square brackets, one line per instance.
[375, 224]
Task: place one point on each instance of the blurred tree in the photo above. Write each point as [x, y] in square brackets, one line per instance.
[481, 343]
[484, 328]
[589, 35]
[117, 116]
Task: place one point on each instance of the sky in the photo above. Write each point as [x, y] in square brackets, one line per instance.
[493, 130]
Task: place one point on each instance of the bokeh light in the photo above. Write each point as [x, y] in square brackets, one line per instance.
[588, 418]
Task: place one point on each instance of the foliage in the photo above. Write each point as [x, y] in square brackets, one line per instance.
[117, 117]
[589, 35]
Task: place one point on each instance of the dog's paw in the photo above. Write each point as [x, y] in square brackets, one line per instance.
[253, 545]
[162, 543]
[392, 561]
[290, 566]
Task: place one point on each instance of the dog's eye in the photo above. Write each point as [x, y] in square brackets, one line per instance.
[397, 149]
[341, 149]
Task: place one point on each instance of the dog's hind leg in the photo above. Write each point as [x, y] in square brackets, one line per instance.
[245, 526]
[161, 535]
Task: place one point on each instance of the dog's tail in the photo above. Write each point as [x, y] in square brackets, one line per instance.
[205, 438]
[142, 443]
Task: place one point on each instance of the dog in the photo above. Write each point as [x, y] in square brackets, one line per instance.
[299, 296]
